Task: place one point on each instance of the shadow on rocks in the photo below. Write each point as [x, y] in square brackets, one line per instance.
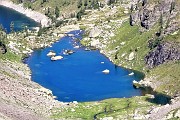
[160, 98]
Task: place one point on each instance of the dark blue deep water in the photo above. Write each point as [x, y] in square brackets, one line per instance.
[8, 15]
[79, 77]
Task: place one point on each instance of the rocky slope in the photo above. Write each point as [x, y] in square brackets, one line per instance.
[164, 52]
[20, 97]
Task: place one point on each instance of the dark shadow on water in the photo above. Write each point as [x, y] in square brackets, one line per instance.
[159, 98]
[139, 75]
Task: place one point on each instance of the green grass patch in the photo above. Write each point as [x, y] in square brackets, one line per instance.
[11, 57]
[123, 108]
[168, 76]
[135, 41]
[175, 37]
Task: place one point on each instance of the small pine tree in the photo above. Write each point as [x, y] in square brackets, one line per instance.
[160, 24]
[79, 3]
[57, 12]
[161, 21]
[96, 4]
[1, 27]
[79, 14]
[144, 2]
[132, 8]
[85, 3]
[131, 20]
[111, 2]
[172, 6]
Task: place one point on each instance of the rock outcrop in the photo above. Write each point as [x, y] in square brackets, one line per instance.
[3, 49]
[163, 52]
[95, 32]
[147, 14]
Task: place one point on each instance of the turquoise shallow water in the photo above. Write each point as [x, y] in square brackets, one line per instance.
[79, 77]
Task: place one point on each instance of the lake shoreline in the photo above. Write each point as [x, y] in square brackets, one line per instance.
[36, 16]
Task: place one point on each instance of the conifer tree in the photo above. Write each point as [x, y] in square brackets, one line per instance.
[57, 12]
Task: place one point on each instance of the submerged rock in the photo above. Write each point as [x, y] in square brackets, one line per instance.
[68, 52]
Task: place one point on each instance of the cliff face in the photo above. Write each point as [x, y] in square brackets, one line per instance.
[163, 53]
[165, 15]
[148, 13]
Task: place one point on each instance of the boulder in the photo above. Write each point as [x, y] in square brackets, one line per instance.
[95, 32]
[77, 46]
[131, 56]
[177, 114]
[136, 84]
[68, 52]
[51, 53]
[107, 118]
[122, 43]
[130, 74]
[54, 58]
[95, 42]
[106, 71]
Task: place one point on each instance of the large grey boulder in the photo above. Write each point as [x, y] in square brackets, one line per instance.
[95, 32]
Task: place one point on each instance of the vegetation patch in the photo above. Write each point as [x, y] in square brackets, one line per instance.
[117, 108]
[130, 39]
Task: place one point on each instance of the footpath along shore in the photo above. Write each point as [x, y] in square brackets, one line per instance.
[36, 16]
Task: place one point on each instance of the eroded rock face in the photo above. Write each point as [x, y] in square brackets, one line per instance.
[164, 52]
[148, 14]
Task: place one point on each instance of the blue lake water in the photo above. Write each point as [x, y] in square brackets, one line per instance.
[8, 15]
[79, 77]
